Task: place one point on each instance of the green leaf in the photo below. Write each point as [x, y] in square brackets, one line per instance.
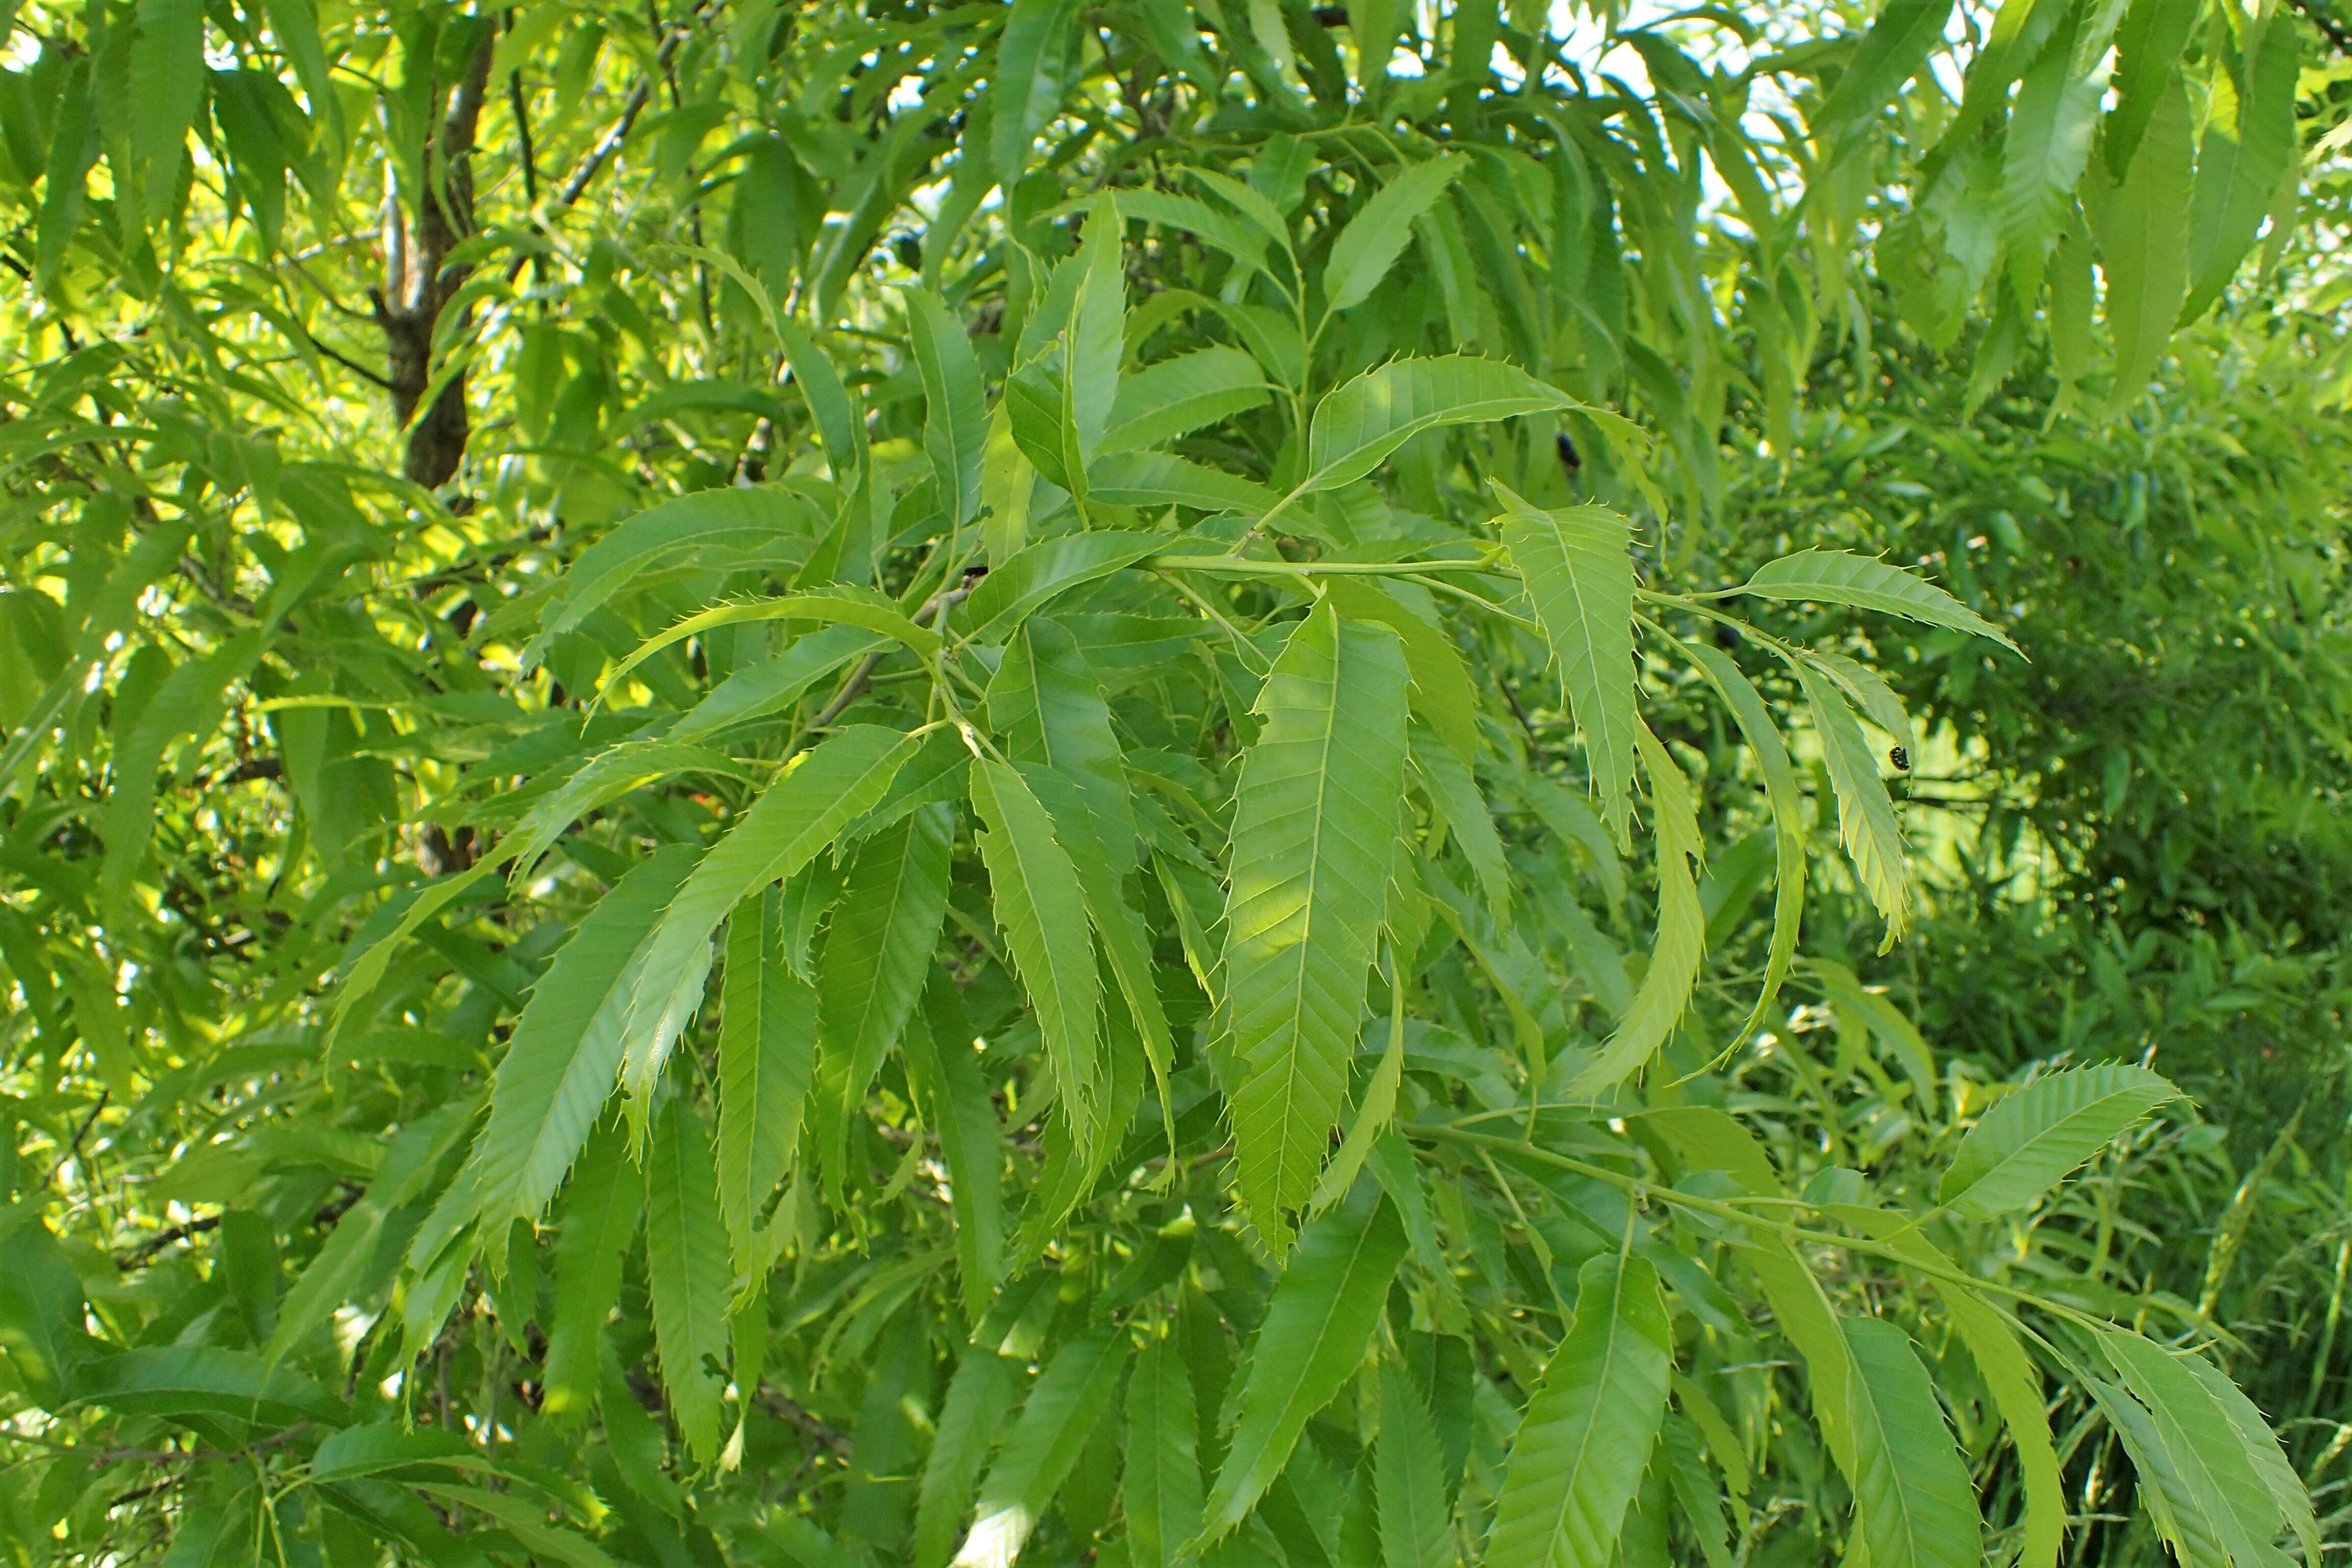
[1578, 1456]
[2261, 1447]
[176, 1382]
[601, 1214]
[1681, 943]
[2249, 140]
[816, 795]
[1041, 912]
[877, 956]
[686, 1267]
[1369, 246]
[1161, 1487]
[732, 518]
[2203, 1444]
[946, 1072]
[1315, 818]
[838, 425]
[1097, 332]
[2042, 158]
[1359, 423]
[1466, 819]
[1896, 46]
[2034, 1136]
[605, 778]
[1312, 1339]
[1579, 577]
[774, 684]
[955, 426]
[2182, 1512]
[1071, 1395]
[167, 89]
[41, 1314]
[969, 1422]
[2142, 227]
[1754, 721]
[2016, 1387]
[1910, 1488]
[1162, 479]
[836, 606]
[1032, 67]
[1016, 589]
[1867, 827]
[767, 1048]
[557, 1075]
[1194, 218]
[1178, 395]
[1409, 1477]
[1442, 697]
[1841, 577]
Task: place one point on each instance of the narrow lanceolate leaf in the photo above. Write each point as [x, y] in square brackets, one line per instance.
[1754, 721]
[685, 1265]
[603, 779]
[1032, 63]
[1071, 1395]
[955, 417]
[1361, 422]
[1381, 228]
[2043, 156]
[1163, 479]
[738, 518]
[1443, 696]
[1178, 395]
[946, 1073]
[819, 792]
[1161, 1488]
[167, 89]
[1017, 589]
[559, 1069]
[1910, 1488]
[1867, 827]
[1409, 1477]
[1579, 577]
[1315, 818]
[1895, 47]
[2203, 1444]
[2142, 227]
[877, 956]
[767, 1047]
[599, 1219]
[1098, 328]
[2031, 1139]
[1042, 911]
[969, 1423]
[1314, 1336]
[1681, 942]
[1577, 1459]
[1841, 577]
[2278, 1474]
[2184, 1515]
[2016, 1387]
[2249, 140]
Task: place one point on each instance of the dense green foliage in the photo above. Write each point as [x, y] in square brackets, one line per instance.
[1112, 783]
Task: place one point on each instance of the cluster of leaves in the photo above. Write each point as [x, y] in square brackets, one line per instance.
[955, 756]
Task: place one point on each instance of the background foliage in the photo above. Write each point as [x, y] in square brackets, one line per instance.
[907, 783]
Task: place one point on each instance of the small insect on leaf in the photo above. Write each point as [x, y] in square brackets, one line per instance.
[1901, 757]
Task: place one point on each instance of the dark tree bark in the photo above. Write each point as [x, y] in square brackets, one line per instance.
[420, 229]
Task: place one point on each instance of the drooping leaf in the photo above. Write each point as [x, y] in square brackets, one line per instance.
[687, 1266]
[1314, 819]
[1896, 44]
[968, 1423]
[1577, 1459]
[601, 1216]
[955, 428]
[1070, 1396]
[1314, 1335]
[1681, 943]
[2249, 137]
[1042, 911]
[817, 794]
[1409, 1478]
[1867, 826]
[2032, 1138]
[878, 954]
[1033, 59]
[1911, 1490]
[1579, 577]
[767, 1047]
[1161, 1482]
[2142, 227]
